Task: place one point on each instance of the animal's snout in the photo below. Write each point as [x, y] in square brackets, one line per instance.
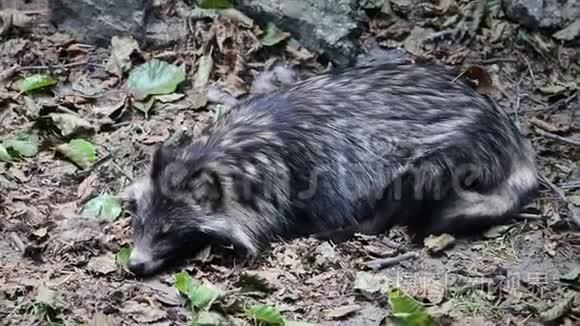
[137, 268]
[142, 263]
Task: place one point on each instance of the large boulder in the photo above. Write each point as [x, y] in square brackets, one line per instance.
[549, 14]
[97, 21]
[322, 25]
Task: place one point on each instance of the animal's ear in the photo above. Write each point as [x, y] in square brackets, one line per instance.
[202, 185]
[158, 161]
[206, 188]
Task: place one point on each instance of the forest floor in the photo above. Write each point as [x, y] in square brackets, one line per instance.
[59, 267]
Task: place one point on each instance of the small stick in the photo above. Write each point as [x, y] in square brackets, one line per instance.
[527, 216]
[378, 264]
[62, 66]
[558, 138]
[560, 193]
[494, 60]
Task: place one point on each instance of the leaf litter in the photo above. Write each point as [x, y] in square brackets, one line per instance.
[302, 280]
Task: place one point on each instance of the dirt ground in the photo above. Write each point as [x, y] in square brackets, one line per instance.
[57, 267]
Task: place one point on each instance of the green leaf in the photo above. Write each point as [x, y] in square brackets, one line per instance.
[22, 144]
[36, 82]
[155, 77]
[200, 296]
[216, 4]
[123, 256]
[265, 314]
[210, 318]
[273, 35]
[105, 207]
[80, 152]
[406, 311]
[4, 155]
[493, 8]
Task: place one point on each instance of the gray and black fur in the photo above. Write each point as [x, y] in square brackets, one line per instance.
[360, 150]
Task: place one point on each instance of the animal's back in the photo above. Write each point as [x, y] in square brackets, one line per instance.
[342, 140]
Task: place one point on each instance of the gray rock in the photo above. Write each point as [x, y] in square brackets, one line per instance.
[549, 14]
[97, 21]
[165, 32]
[321, 25]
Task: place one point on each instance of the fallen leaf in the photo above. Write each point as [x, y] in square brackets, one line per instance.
[70, 124]
[215, 4]
[571, 276]
[100, 319]
[102, 265]
[325, 253]
[169, 97]
[273, 35]
[481, 78]
[493, 8]
[87, 87]
[165, 294]
[265, 314]
[144, 107]
[49, 297]
[155, 77]
[203, 72]
[31, 107]
[557, 89]
[408, 311]
[569, 33]
[109, 107]
[80, 152]
[22, 144]
[106, 207]
[86, 187]
[36, 82]
[40, 233]
[414, 42]
[343, 311]
[207, 318]
[442, 310]
[122, 47]
[201, 296]
[122, 257]
[558, 310]
[435, 244]
[496, 231]
[263, 281]
[4, 156]
[142, 313]
[369, 284]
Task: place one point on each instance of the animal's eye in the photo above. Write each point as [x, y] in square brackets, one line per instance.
[131, 205]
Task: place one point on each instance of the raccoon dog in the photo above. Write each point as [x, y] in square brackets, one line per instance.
[361, 149]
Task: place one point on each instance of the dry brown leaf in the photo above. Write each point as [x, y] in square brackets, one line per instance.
[481, 78]
[340, 312]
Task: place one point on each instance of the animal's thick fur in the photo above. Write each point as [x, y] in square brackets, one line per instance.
[360, 149]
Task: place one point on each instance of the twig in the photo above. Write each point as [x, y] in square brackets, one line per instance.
[62, 66]
[558, 138]
[548, 107]
[17, 242]
[378, 264]
[123, 172]
[527, 216]
[560, 193]
[494, 60]
[529, 69]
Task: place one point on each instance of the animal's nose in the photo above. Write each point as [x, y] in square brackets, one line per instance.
[137, 268]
